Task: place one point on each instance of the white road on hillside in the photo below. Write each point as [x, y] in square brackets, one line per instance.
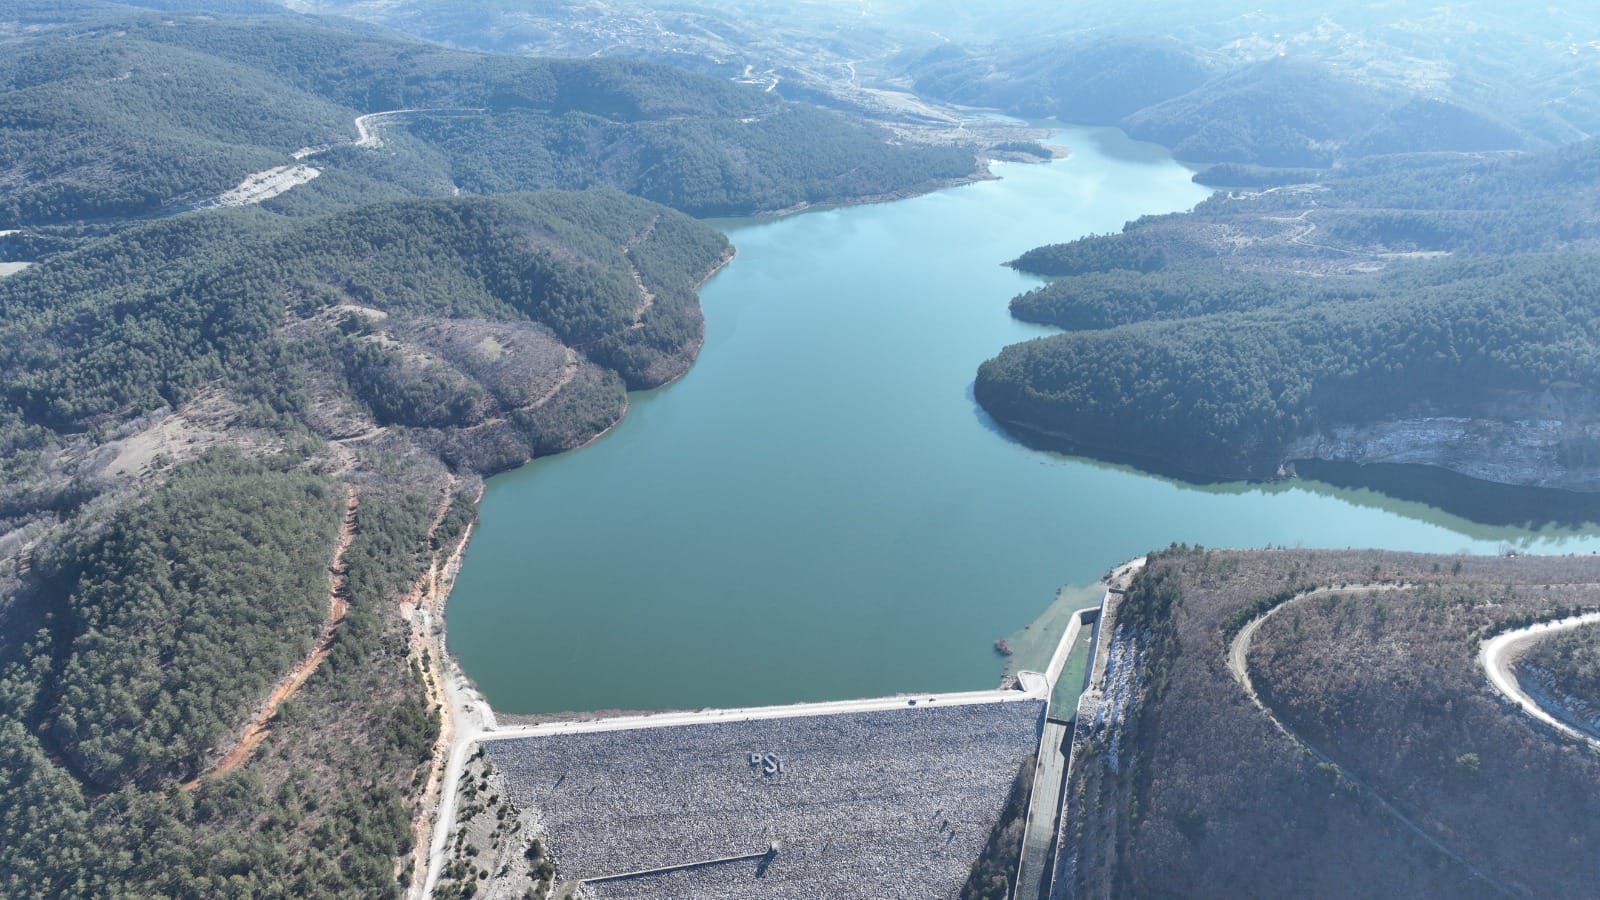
[259, 187]
[1500, 653]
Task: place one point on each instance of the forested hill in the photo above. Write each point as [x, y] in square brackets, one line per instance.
[385, 297]
[1228, 392]
[141, 113]
[1280, 112]
[1440, 312]
[1277, 83]
[238, 444]
[187, 410]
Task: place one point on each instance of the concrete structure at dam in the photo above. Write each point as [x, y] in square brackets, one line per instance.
[882, 797]
[880, 803]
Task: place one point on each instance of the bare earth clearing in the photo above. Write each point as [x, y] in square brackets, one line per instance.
[259, 187]
[263, 186]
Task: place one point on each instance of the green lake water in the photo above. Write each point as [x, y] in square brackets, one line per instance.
[819, 510]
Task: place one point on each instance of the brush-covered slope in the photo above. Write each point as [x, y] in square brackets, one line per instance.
[1397, 770]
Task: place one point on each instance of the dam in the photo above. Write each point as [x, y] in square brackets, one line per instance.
[887, 796]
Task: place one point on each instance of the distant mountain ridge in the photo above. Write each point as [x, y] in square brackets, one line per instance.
[135, 114]
[1278, 83]
[1289, 85]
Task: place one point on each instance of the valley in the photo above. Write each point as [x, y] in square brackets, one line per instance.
[739, 380]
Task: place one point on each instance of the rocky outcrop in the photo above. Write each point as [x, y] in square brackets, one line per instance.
[1529, 452]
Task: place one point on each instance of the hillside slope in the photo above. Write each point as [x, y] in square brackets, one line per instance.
[186, 406]
[143, 114]
[1398, 772]
[1564, 670]
[1271, 82]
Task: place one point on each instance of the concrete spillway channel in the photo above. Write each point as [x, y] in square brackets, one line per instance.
[1049, 780]
[1037, 857]
[1041, 837]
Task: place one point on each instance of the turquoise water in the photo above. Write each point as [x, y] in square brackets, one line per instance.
[818, 510]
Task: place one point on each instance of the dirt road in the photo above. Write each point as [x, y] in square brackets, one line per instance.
[647, 298]
[259, 187]
[367, 135]
[1239, 665]
[256, 732]
[1500, 653]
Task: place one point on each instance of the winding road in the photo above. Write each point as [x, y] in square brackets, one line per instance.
[1499, 655]
[367, 136]
[1239, 666]
[258, 187]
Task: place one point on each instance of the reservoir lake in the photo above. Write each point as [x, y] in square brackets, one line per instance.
[819, 510]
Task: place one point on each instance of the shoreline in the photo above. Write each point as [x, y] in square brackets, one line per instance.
[465, 714]
[733, 251]
[463, 711]
[693, 348]
[981, 174]
[693, 354]
[1049, 440]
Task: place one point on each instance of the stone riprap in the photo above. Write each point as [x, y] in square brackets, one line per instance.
[881, 804]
